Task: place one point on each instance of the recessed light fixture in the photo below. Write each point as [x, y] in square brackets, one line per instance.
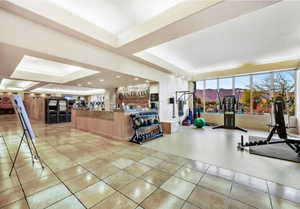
[118, 76]
[136, 79]
[101, 80]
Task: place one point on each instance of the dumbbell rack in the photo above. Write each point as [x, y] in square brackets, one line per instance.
[147, 131]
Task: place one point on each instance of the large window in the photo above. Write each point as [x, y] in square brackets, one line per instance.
[211, 99]
[243, 93]
[262, 86]
[199, 97]
[285, 85]
[253, 92]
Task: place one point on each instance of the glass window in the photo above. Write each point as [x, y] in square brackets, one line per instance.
[285, 85]
[199, 97]
[225, 86]
[262, 85]
[200, 85]
[243, 94]
[211, 99]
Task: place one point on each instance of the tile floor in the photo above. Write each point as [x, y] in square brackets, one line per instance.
[83, 170]
[219, 147]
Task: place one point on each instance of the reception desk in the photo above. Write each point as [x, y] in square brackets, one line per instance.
[114, 125]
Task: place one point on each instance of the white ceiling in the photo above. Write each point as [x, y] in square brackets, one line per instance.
[65, 89]
[268, 34]
[15, 85]
[116, 16]
[37, 69]
[108, 80]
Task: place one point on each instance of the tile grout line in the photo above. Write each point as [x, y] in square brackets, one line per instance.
[234, 171]
[73, 194]
[25, 197]
[270, 197]
[231, 185]
[186, 201]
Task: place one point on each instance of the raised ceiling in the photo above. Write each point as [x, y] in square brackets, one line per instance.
[37, 69]
[271, 34]
[116, 16]
[15, 85]
[69, 90]
[183, 37]
[133, 26]
[32, 73]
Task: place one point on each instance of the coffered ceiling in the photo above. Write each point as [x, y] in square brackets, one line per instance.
[116, 16]
[33, 68]
[267, 35]
[181, 37]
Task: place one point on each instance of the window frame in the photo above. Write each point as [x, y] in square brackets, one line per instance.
[251, 86]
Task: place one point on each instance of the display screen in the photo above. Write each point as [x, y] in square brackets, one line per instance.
[154, 97]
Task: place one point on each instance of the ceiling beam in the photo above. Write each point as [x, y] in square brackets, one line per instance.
[214, 13]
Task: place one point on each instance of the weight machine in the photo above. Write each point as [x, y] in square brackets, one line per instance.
[278, 128]
[228, 106]
[181, 98]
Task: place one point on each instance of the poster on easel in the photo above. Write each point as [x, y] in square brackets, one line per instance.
[20, 110]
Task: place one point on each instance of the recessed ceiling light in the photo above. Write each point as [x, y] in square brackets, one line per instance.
[136, 79]
[118, 76]
[101, 80]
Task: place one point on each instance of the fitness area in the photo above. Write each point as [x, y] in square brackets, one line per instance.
[172, 104]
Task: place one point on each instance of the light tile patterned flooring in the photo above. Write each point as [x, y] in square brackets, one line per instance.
[83, 170]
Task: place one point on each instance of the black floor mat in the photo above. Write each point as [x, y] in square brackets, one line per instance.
[279, 151]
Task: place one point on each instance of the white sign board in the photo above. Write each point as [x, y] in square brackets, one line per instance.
[21, 111]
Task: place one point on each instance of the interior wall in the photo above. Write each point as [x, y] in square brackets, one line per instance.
[167, 89]
[35, 106]
[109, 99]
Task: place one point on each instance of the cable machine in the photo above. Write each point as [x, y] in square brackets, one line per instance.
[181, 98]
[228, 105]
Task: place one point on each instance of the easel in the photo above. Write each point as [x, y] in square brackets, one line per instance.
[25, 135]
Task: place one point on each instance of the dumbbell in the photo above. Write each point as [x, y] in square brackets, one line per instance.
[260, 142]
[251, 144]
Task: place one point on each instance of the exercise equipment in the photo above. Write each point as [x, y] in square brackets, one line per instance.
[278, 128]
[228, 106]
[56, 110]
[146, 126]
[181, 99]
[188, 120]
[199, 122]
